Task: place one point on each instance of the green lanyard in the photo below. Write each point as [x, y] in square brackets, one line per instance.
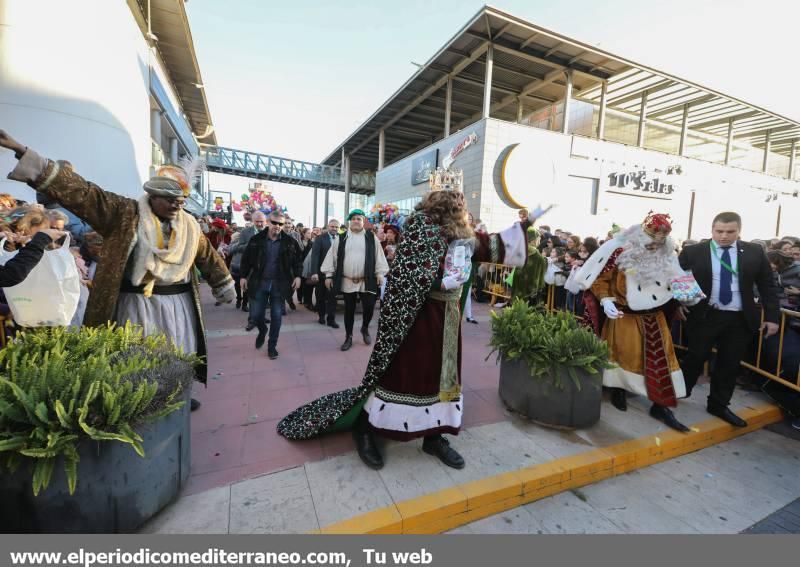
[724, 264]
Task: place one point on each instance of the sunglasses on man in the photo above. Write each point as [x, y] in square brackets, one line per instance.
[276, 223]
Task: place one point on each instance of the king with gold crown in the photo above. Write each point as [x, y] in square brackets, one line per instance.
[412, 385]
[633, 284]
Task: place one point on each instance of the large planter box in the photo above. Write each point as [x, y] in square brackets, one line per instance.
[117, 489]
[544, 403]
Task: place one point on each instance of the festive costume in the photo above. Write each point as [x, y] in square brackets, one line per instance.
[626, 277]
[147, 271]
[412, 385]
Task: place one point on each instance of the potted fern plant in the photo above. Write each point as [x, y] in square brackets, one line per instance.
[94, 429]
[550, 366]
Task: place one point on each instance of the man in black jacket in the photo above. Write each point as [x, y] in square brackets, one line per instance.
[271, 268]
[326, 299]
[726, 269]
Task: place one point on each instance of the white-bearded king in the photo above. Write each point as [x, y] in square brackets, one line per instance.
[631, 276]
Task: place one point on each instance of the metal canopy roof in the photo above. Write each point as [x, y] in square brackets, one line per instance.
[170, 25]
[529, 65]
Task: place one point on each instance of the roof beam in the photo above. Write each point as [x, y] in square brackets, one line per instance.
[480, 50]
[516, 51]
[659, 86]
[526, 90]
[679, 107]
[722, 120]
[528, 41]
[473, 81]
[503, 30]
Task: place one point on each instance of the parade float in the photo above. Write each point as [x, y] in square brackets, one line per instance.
[94, 429]
[551, 366]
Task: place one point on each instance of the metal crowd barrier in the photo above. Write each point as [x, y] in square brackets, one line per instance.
[499, 290]
[787, 315]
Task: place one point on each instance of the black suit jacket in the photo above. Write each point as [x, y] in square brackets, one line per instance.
[754, 270]
[319, 250]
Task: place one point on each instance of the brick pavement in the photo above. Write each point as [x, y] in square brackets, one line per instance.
[233, 433]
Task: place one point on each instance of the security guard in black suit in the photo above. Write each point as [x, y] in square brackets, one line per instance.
[727, 270]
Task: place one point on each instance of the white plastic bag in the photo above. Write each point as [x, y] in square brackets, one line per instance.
[49, 296]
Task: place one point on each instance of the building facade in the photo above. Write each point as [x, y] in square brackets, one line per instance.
[531, 116]
[101, 84]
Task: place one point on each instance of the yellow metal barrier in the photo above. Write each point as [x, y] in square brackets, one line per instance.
[495, 283]
[784, 327]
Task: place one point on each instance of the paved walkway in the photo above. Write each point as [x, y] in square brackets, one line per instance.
[722, 489]
[247, 479]
[233, 433]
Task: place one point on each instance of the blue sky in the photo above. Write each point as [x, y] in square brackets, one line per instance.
[295, 78]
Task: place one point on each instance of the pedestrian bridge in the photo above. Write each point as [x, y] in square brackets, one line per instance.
[284, 170]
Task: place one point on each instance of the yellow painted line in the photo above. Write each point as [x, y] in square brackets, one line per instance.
[452, 507]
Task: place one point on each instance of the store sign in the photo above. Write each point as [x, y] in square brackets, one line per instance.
[448, 160]
[423, 166]
[658, 185]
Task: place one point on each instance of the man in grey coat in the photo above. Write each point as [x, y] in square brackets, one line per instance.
[326, 299]
[236, 250]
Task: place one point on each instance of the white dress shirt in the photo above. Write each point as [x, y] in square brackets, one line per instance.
[716, 252]
[355, 250]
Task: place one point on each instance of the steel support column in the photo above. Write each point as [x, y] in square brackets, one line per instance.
[642, 120]
[567, 101]
[173, 150]
[791, 159]
[729, 143]
[326, 216]
[601, 119]
[347, 176]
[448, 106]
[487, 85]
[381, 148]
[314, 220]
[767, 147]
[520, 110]
[155, 126]
[684, 130]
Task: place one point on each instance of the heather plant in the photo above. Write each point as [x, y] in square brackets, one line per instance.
[59, 386]
[550, 344]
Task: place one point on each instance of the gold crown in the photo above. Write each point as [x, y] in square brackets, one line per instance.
[446, 180]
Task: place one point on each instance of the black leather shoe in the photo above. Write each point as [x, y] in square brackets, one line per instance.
[321, 321]
[471, 320]
[292, 306]
[348, 343]
[262, 335]
[238, 304]
[245, 306]
[727, 415]
[367, 449]
[194, 405]
[365, 335]
[272, 353]
[665, 415]
[438, 446]
[250, 326]
[619, 399]
[333, 324]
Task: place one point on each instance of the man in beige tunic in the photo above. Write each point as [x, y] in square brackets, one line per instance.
[355, 266]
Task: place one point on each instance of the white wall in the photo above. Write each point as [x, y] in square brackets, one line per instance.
[73, 85]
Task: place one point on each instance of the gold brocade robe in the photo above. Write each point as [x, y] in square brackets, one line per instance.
[116, 218]
[640, 344]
